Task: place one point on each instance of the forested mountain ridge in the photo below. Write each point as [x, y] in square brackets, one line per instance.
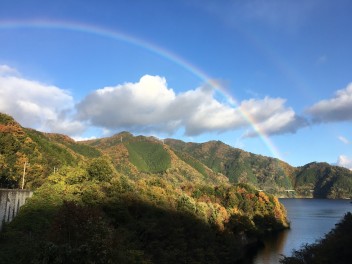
[141, 156]
[316, 179]
[42, 152]
[265, 173]
[213, 160]
[179, 162]
[324, 180]
[137, 199]
[126, 200]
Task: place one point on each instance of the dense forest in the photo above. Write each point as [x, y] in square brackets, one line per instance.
[137, 199]
[319, 180]
[80, 216]
[125, 199]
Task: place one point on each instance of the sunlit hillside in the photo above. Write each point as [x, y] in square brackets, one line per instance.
[126, 199]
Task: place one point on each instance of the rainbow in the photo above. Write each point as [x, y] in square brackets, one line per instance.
[151, 47]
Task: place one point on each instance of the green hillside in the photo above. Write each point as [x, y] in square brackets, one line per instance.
[319, 180]
[42, 152]
[324, 181]
[148, 156]
[125, 199]
[136, 199]
[82, 149]
[239, 166]
[81, 216]
[176, 161]
[138, 157]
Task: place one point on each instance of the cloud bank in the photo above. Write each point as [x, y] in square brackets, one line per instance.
[271, 117]
[35, 104]
[150, 105]
[345, 161]
[335, 109]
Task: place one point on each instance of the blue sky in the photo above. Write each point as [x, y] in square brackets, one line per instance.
[271, 77]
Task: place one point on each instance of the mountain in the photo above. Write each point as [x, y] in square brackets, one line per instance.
[141, 156]
[319, 180]
[265, 173]
[41, 152]
[324, 181]
[137, 199]
[212, 163]
[125, 199]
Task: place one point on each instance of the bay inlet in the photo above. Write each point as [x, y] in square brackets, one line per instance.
[310, 220]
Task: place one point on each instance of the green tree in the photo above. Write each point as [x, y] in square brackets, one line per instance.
[100, 170]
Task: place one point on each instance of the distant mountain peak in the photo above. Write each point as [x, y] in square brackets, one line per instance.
[123, 134]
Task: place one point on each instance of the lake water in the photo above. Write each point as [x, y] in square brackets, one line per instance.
[310, 220]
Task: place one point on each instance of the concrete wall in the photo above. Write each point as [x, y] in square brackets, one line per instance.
[10, 203]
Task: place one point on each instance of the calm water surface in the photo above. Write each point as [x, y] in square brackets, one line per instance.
[310, 220]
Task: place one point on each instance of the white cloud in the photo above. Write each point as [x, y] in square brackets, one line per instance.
[64, 126]
[344, 140]
[83, 138]
[36, 105]
[344, 161]
[335, 109]
[7, 70]
[270, 116]
[145, 106]
[199, 112]
[150, 106]
[134, 106]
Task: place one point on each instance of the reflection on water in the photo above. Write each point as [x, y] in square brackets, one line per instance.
[274, 243]
[310, 220]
